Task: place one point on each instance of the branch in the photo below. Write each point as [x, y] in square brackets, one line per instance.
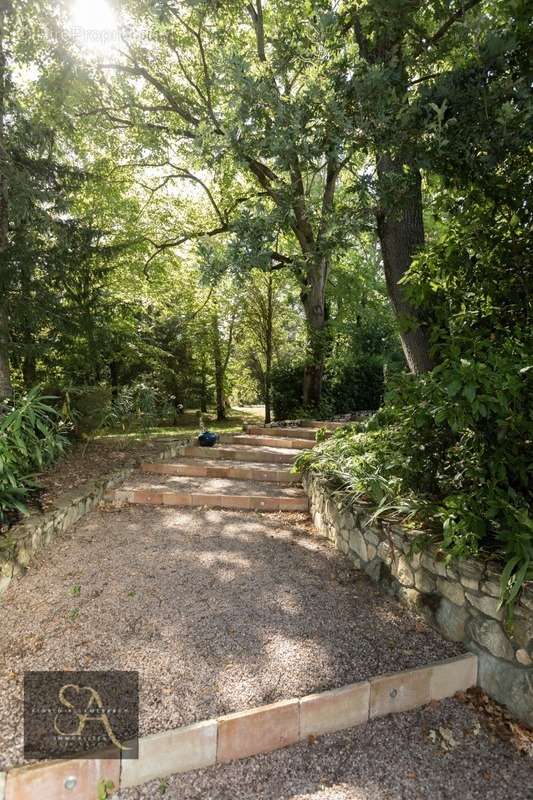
[175, 103]
[302, 229]
[256, 14]
[332, 172]
[187, 237]
[444, 28]
[354, 22]
[264, 175]
[207, 100]
[244, 199]
[207, 299]
[285, 261]
[424, 78]
[184, 173]
[281, 259]
[122, 122]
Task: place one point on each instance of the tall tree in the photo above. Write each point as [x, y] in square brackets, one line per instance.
[6, 388]
[399, 46]
[236, 91]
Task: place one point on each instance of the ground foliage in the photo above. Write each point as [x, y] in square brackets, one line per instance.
[31, 438]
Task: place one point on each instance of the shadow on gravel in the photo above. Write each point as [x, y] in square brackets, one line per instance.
[218, 610]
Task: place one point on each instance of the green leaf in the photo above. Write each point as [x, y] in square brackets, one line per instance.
[470, 391]
[454, 387]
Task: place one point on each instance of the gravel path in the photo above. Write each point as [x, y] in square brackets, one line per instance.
[392, 758]
[218, 610]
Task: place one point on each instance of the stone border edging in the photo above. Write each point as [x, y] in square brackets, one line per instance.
[247, 733]
[36, 531]
[284, 477]
[249, 502]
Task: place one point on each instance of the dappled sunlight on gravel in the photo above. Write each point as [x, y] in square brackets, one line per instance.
[217, 610]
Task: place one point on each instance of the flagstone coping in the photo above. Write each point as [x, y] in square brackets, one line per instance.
[246, 733]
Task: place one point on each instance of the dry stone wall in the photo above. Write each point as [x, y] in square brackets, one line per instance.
[461, 600]
[38, 530]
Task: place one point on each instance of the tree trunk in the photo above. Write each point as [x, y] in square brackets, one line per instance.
[203, 387]
[29, 371]
[6, 389]
[219, 371]
[268, 351]
[219, 389]
[114, 375]
[314, 302]
[401, 235]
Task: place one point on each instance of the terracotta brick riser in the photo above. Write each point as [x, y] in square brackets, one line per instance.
[330, 426]
[239, 473]
[153, 497]
[288, 433]
[271, 441]
[247, 733]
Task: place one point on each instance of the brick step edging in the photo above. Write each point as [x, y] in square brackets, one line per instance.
[197, 470]
[308, 434]
[225, 452]
[272, 441]
[154, 497]
[257, 730]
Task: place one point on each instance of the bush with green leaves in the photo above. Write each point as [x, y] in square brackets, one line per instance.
[140, 405]
[87, 407]
[31, 438]
[348, 386]
[451, 449]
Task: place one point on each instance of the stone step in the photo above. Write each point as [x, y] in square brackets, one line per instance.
[290, 432]
[240, 452]
[218, 468]
[329, 424]
[211, 492]
[271, 441]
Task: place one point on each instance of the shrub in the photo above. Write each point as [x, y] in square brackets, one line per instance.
[88, 408]
[451, 448]
[139, 406]
[347, 387]
[30, 439]
[287, 381]
[355, 386]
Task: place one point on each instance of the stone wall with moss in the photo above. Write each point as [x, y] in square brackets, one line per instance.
[459, 600]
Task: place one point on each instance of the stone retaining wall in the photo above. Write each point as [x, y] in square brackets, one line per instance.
[460, 601]
[38, 530]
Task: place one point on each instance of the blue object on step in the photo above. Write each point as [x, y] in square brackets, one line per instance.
[207, 439]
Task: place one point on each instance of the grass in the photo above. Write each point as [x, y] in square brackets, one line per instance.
[188, 424]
